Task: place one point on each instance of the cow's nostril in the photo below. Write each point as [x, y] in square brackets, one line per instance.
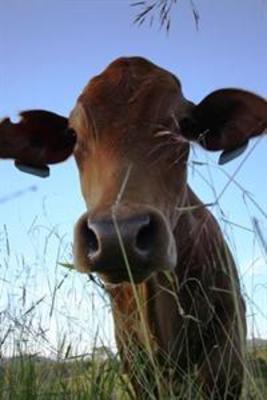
[145, 237]
[92, 242]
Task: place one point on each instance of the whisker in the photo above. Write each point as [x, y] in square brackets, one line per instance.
[176, 121]
[163, 133]
[159, 146]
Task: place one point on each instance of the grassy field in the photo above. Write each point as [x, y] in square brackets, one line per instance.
[51, 317]
[99, 377]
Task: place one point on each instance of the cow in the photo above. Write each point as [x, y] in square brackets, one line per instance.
[173, 284]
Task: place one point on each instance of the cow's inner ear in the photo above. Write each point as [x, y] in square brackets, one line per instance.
[191, 131]
[42, 170]
[189, 128]
[37, 139]
[225, 121]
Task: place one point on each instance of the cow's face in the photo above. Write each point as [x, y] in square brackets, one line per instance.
[132, 164]
[129, 132]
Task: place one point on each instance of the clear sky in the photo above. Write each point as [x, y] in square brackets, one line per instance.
[49, 50]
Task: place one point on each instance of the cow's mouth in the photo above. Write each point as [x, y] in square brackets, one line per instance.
[117, 276]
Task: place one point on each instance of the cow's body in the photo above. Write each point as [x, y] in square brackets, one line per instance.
[174, 289]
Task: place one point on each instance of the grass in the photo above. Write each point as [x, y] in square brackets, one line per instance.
[96, 377]
[32, 378]
[35, 366]
[56, 337]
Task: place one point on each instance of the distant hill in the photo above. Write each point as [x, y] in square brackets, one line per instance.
[257, 342]
[100, 354]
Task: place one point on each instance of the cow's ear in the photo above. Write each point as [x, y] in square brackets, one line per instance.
[226, 120]
[38, 139]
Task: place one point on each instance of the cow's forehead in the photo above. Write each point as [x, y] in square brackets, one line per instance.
[127, 75]
[134, 68]
[130, 91]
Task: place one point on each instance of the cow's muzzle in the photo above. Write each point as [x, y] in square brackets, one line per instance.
[123, 246]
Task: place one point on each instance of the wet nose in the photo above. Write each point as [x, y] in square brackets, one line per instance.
[124, 246]
[108, 239]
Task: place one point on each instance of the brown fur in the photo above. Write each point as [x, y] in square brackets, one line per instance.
[172, 281]
[195, 318]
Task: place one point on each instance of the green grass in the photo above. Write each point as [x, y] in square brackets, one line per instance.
[30, 378]
[98, 377]
[67, 371]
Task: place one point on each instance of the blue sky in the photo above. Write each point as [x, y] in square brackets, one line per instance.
[49, 50]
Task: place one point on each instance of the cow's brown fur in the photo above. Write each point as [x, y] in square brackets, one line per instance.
[175, 295]
[195, 317]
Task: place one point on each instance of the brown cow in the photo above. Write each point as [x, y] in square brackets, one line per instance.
[178, 311]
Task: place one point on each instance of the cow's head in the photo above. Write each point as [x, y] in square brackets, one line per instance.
[130, 133]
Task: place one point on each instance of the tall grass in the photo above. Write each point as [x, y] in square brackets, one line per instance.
[48, 347]
[56, 337]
